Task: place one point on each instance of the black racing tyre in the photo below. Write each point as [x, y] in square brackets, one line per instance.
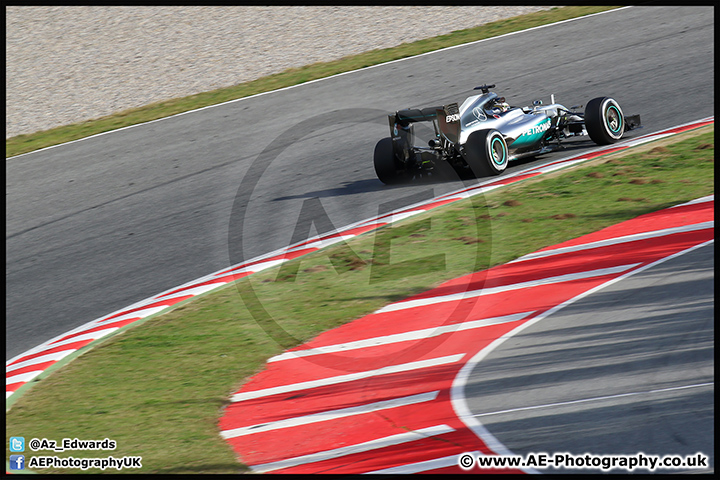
[386, 166]
[604, 120]
[486, 153]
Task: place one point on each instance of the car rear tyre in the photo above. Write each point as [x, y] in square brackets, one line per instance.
[486, 153]
[386, 165]
[604, 120]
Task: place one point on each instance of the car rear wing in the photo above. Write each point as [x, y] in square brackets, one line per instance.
[402, 131]
[411, 115]
[447, 116]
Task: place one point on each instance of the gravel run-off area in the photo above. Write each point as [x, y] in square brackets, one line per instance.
[69, 64]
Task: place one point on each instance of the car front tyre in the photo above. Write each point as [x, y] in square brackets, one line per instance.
[604, 120]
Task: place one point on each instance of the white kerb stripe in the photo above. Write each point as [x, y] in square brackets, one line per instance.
[709, 198]
[442, 462]
[388, 219]
[258, 267]
[558, 166]
[346, 378]
[84, 336]
[400, 337]
[146, 312]
[617, 240]
[357, 448]
[329, 415]
[505, 288]
[193, 291]
[322, 243]
[23, 377]
[401, 216]
[50, 357]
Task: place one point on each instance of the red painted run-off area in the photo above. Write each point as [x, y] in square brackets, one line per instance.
[375, 395]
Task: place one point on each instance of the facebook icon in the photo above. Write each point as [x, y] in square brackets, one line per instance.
[17, 462]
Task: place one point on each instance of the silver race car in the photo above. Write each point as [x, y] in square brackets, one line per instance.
[480, 137]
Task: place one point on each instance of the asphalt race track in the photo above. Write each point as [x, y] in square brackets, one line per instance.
[96, 225]
[627, 369]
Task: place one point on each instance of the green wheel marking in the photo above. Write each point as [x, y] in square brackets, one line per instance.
[614, 126]
[498, 161]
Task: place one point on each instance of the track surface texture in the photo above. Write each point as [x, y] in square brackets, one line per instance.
[627, 369]
[96, 225]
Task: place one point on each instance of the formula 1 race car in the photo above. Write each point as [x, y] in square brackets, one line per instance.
[480, 137]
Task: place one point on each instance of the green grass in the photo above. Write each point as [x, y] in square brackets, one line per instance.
[26, 143]
[158, 389]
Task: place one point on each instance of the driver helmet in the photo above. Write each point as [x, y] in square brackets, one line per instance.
[500, 106]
